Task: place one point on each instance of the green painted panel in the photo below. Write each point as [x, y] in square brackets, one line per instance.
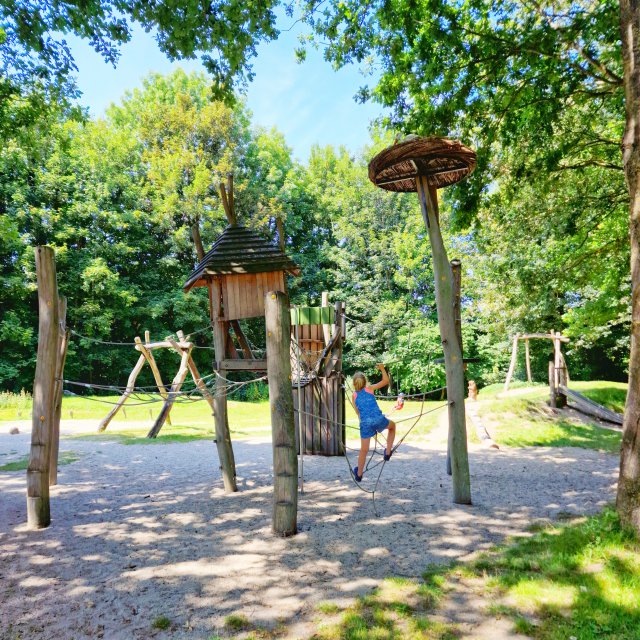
[313, 315]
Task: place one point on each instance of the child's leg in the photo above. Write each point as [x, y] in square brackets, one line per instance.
[362, 457]
[391, 434]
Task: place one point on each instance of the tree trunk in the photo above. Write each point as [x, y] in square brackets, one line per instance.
[452, 354]
[628, 498]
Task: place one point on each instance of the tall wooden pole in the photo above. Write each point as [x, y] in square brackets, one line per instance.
[452, 353]
[285, 461]
[512, 364]
[527, 358]
[38, 513]
[57, 411]
[456, 271]
[223, 436]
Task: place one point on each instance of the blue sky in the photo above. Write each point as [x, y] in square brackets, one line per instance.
[310, 103]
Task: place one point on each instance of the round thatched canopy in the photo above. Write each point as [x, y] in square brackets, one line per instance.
[444, 162]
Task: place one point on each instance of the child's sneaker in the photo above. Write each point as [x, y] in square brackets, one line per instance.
[355, 474]
[387, 456]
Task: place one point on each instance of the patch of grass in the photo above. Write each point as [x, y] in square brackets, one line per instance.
[612, 395]
[236, 622]
[520, 421]
[162, 622]
[580, 579]
[66, 457]
[328, 608]
[395, 611]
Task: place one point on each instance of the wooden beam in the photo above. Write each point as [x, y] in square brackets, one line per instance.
[527, 357]
[452, 353]
[176, 385]
[561, 398]
[223, 435]
[131, 383]
[244, 343]
[59, 386]
[326, 328]
[548, 336]
[197, 241]
[165, 344]
[285, 461]
[512, 364]
[242, 365]
[231, 196]
[154, 367]
[231, 218]
[38, 510]
[281, 238]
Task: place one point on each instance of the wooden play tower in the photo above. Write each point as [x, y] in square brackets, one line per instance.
[238, 270]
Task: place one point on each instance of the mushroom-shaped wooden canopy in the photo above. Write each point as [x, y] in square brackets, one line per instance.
[444, 162]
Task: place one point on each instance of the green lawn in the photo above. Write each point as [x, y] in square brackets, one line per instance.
[21, 464]
[193, 420]
[526, 420]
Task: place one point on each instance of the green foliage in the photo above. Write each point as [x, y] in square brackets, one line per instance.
[224, 34]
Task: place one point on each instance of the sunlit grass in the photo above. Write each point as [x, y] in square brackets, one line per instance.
[193, 420]
[526, 420]
[397, 610]
[580, 580]
[65, 457]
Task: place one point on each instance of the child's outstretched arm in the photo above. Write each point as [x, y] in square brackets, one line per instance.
[385, 378]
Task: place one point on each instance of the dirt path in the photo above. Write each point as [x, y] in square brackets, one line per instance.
[141, 531]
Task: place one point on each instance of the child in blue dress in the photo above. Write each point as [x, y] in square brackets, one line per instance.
[372, 420]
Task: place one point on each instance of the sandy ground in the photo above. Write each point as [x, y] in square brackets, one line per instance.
[143, 531]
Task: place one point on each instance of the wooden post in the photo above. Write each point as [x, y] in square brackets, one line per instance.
[326, 328]
[38, 512]
[197, 241]
[148, 354]
[285, 461]
[57, 412]
[452, 354]
[281, 238]
[561, 399]
[223, 436]
[552, 384]
[512, 364]
[176, 385]
[457, 284]
[131, 383]
[528, 360]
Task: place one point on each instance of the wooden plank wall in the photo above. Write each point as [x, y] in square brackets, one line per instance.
[322, 400]
[243, 293]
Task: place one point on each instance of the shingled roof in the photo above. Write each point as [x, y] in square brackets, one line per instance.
[240, 250]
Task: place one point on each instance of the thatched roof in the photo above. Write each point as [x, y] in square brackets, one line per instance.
[240, 250]
[444, 162]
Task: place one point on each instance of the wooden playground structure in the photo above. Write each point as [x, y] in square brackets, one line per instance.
[559, 390]
[245, 276]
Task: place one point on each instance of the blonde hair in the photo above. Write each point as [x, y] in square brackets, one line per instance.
[359, 381]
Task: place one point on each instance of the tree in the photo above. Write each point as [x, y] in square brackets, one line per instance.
[225, 34]
[628, 499]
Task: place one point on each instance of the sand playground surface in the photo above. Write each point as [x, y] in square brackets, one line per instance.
[143, 531]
